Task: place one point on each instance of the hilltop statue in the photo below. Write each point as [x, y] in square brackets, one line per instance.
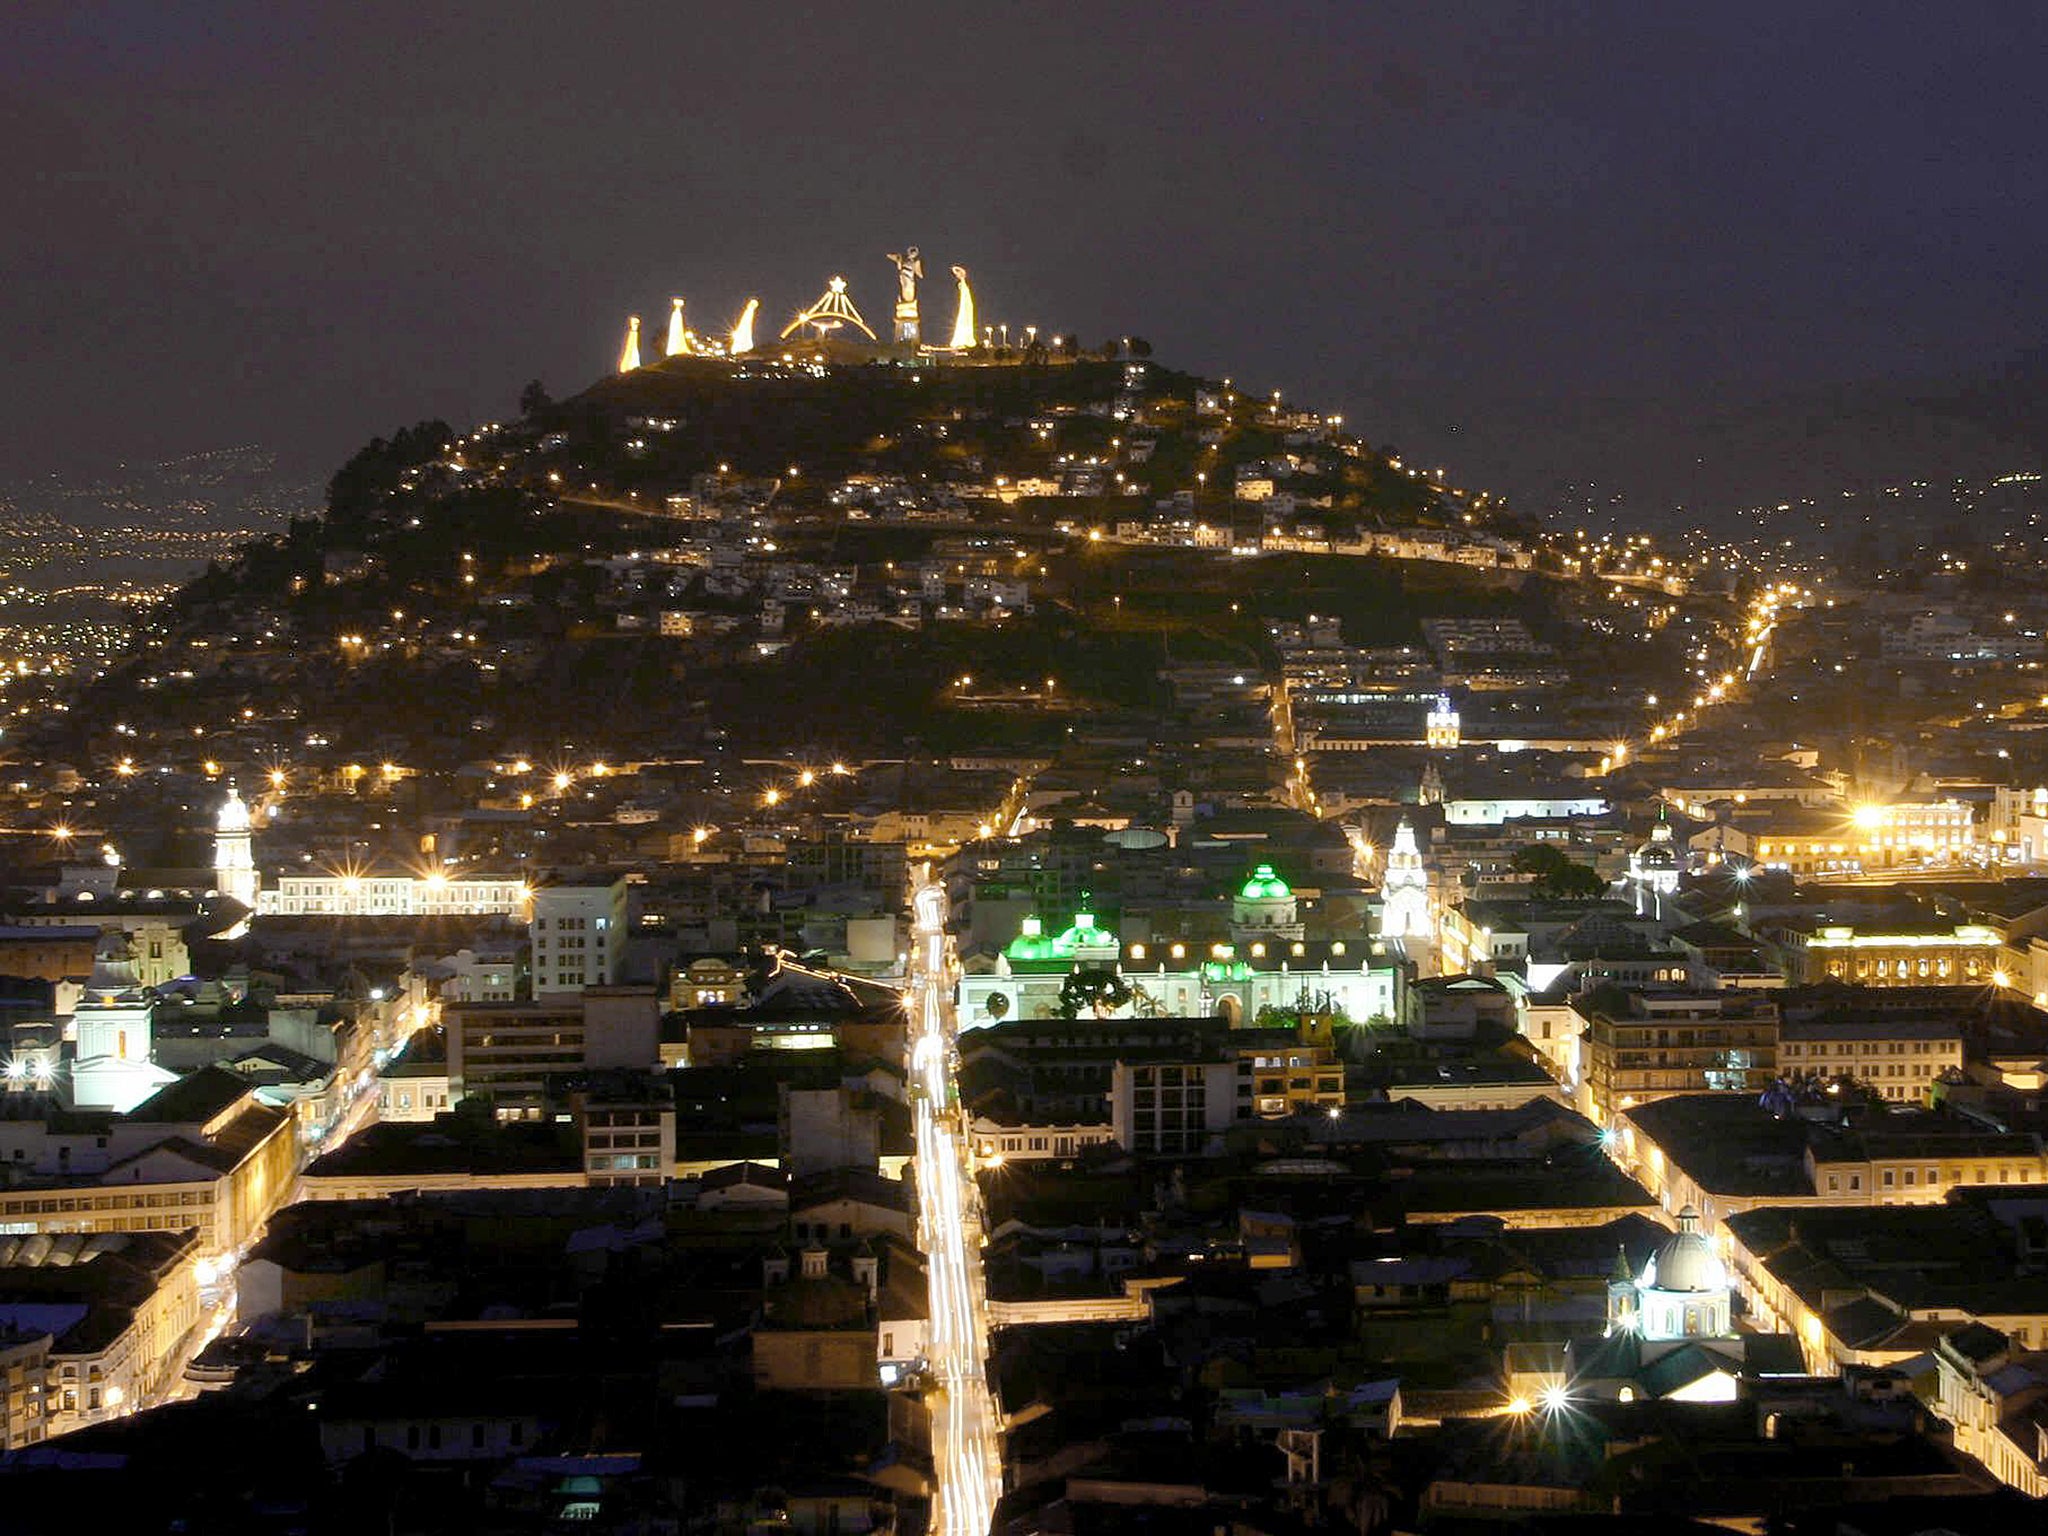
[629, 355]
[909, 268]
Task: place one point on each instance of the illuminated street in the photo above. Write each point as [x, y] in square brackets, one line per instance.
[965, 1450]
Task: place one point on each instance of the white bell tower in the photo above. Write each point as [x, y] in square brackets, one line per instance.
[1404, 890]
[234, 861]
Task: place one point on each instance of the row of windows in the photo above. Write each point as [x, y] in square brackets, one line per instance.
[1911, 1178]
[121, 1202]
[427, 1100]
[515, 1434]
[1940, 966]
[1794, 1049]
[605, 1139]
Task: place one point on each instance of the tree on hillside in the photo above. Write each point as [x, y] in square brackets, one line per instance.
[534, 398]
[361, 484]
[1557, 877]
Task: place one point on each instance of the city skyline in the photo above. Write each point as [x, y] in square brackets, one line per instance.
[1006, 773]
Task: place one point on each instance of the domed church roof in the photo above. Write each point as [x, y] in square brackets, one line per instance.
[1265, 885]
[1687, 1262]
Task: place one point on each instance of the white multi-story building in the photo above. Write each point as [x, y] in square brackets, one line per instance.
[474, 976]
[579, 937]
[1992, 1392]
[384, 894]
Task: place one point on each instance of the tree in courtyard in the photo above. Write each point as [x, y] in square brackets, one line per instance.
[1557, 877]
[1099, 991]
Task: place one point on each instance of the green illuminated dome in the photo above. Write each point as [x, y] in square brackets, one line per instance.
[1030, 943]
[1264, 885]
[1084, 935]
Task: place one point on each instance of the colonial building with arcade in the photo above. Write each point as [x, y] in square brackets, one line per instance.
[1263, 961]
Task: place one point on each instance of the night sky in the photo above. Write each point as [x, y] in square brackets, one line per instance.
[1487, 233]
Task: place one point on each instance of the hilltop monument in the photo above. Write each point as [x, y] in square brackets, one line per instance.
[679, 337]
[831, 311]
[963, 315]
[832, 315]
[909, 268]
[742, 338]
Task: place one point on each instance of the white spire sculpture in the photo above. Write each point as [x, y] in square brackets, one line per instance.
[963, 317]
[629, 357]
[743, 330]
[678, 333]
[832, 310]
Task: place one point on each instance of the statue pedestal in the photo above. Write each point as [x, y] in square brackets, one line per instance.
[906, 321]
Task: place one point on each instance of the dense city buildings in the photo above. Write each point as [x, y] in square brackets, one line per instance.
[998, 937]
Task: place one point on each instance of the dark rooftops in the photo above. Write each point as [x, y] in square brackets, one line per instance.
[452, 1143]
[195, 1099]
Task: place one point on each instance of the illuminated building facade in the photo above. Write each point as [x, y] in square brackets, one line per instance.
[1967, 954]
[506, 1052]
[579, 937]
[111, 1024]
[1404, 890]
[144, 1182]
[234, 865]
[1901, 1058]
[1658, 1045]
[1914, 832]
[1440, 726]
[1903, 835]
[384, 894]
[1179, 1101]
[1653, 869]
[1260, 967]
[118, 1311]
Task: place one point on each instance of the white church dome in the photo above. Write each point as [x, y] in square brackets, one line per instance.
[1686, 1263]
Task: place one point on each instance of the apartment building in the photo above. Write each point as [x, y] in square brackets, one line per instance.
[1658, 1044]
[578, 937]
[507, 1051]
[1900, 1058]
